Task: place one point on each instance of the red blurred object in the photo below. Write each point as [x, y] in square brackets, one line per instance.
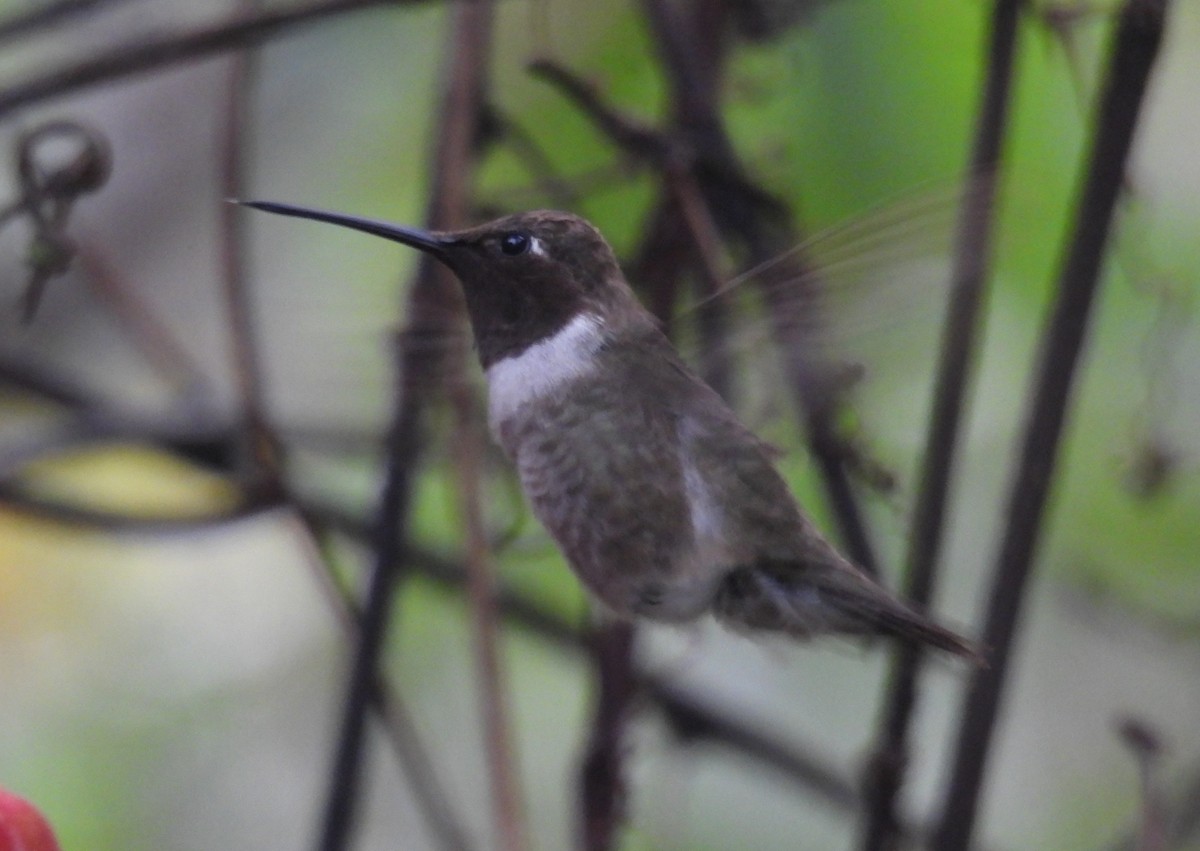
[23, 827]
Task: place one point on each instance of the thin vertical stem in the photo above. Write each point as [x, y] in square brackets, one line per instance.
[968, 281]
[712, 317]
[150, 335]
[1135, 47]
[602, 775]
[265, 450]
[434, 312]
[260, 451]
[507, 808]
[411, 754]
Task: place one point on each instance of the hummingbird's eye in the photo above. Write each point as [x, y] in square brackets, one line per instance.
[515, 243]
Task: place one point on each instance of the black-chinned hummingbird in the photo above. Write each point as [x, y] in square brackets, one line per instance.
[665, 505]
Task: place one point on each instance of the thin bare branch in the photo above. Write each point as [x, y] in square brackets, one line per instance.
[510, 832]
[418, 767]
[130, 60]
[409, 750]
[602, 788]
[1146, 746]
[562, 192]
[260, 449]
[629, 135]
[695, 720]
[251, 502]
[1181, 819]
[713, 321]
[39, 380]
[434, 306]
[263, 450]
[1135, 47]
[46, 15]
[507, 806]
[962, 329]
[145, 330]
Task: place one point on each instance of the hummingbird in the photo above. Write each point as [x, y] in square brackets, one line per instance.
[663, 503]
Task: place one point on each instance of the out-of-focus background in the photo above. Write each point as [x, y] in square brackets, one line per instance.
[178, 688]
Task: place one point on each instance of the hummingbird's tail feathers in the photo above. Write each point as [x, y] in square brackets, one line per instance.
[780, 598]
[884, 615]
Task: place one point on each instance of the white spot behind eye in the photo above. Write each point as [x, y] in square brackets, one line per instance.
[536, 247]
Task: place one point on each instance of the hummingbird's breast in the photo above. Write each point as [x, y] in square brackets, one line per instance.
[596, 443]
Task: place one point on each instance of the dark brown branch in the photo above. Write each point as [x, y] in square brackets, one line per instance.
[1146, 746]
[14, 498]
[1186, 821]
[628, 135]
[34, 378]
[507, 807]
[450, 575]
[46, 15]
[962, 328]
[418, 766]
[205, 443]
[1135, 47]
[262, 450]
[259, 448]
[662, 150]
[130, 60]
[263, 453]
[434, 306]
[658, 266]
[602, 787]
[407, 746]
[146, 332]
[1181, 816]
[510, 830]
[198, 439]
[689, 38]
[417, 354]
[562, 192]
[712, 316]
[694, 720]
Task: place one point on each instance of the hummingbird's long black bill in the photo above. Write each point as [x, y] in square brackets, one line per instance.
[434, 243]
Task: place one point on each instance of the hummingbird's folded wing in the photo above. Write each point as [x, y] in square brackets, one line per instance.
[785, 576]
[761, 517]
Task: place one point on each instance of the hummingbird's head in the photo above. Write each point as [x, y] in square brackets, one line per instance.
[525, 276]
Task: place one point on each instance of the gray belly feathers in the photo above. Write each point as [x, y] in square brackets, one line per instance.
[608, 484]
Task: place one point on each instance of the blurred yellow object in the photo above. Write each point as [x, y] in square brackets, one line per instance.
[128, 480]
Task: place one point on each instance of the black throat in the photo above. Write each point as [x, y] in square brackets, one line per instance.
[508, 319]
